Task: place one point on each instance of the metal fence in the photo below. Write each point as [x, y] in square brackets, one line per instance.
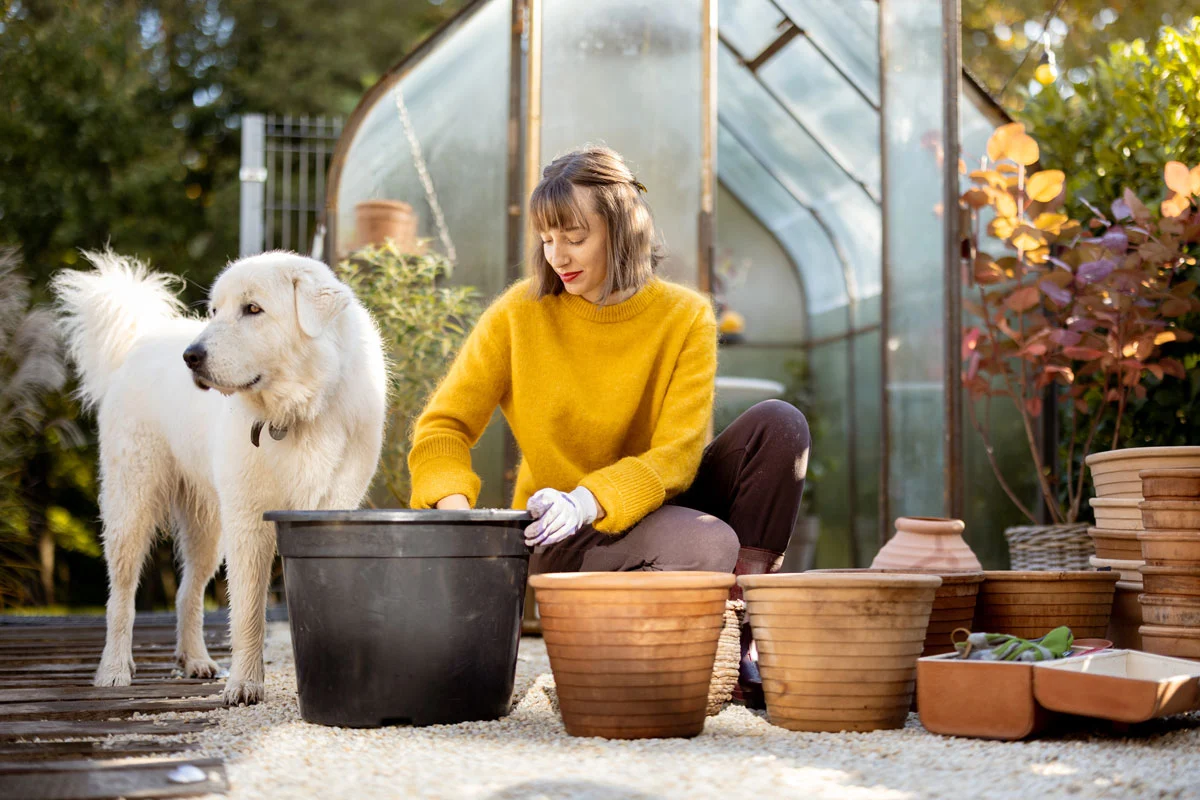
[284, 163]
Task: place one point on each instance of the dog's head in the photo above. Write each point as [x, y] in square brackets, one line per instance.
[271, 329]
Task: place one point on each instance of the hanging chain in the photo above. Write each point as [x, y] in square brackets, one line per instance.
[426, 181]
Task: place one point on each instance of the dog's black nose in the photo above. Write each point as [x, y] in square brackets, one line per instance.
[194, 356]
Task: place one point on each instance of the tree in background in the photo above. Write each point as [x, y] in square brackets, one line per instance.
[119, 123]
[997, 34]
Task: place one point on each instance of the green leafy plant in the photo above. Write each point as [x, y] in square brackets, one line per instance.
[1086, 309]
[423, 322]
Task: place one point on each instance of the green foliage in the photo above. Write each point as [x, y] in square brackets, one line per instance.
[423, 322]
[1137, 109]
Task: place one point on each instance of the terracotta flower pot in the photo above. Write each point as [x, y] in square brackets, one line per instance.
[953, 605]
[1170, 484]
[927, 543]
[1116, 544]
[375, 221]
[1169, 640]
[1120, 514]
[1170, 548]
[1172, 580]
[1030, 604]
[1171, 610]
[1170, 514]
[1126, 617]
[1128, 569]
[1115, 473]
[632, 652]
[838, 651]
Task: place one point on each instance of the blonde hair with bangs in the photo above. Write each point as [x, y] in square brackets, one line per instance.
[633, 253]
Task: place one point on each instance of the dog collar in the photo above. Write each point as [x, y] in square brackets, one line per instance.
[276, 433]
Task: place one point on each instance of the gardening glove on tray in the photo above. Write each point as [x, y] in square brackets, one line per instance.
[559, 515]
[1003, 647]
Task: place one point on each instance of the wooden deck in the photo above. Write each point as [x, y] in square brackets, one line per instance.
[56, 728]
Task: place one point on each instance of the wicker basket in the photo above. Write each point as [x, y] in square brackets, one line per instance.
[1050, 547]
[729, 657]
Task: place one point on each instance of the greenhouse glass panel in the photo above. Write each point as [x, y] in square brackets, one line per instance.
[749, 25]
[755, 277]
[829, 466]
[916, 327]
[848, 30]
[868, 421]
[467, 163]
[841, 120]
[629, 74]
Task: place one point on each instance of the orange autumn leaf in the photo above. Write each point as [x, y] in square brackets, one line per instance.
[1179, 179]
[1023, 299]
[1175, 205]
[1046, 185]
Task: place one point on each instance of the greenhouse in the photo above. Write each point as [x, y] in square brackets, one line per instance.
[795, 154]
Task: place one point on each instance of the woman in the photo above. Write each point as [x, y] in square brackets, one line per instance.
[606, 374]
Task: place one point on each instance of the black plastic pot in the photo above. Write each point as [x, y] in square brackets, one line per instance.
[403, 617]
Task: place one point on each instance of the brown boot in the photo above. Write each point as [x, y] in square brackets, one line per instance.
[751, 561]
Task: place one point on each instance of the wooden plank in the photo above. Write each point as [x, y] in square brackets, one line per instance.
[72, 729]
[151, 668]
[78, 646]
[93, 780]
[80, 681]
[165, 656]
[66, 751]
[168, 689]
[102, 709]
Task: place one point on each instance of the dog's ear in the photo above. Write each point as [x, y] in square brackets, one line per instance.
[319, 299]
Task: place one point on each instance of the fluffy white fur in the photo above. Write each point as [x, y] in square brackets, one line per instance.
[174, 456]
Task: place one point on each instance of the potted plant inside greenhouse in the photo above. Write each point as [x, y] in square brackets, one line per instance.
[1080, 309]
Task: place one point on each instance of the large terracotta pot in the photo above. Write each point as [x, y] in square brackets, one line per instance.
[1116, 544]
[632, 652]
[1030, 604]
[927, 543]
[1181, 642]
[838, 651]
[1170, 484]
[1171, 610]
[378, 220]
[953, 605]
[1115, 473]
[1184, 581]
[1164, 548]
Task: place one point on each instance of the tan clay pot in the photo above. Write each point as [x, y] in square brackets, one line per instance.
[953, 605]
[1030, 604]
[632, 652]
[1126, 617]
[1128, 569]
[1170, 484]
[1167, 640]
[1172, 580]
[928, 544]
[1172, 515]
[830, 670]
[1171, 610]
[375, 221]
[1121, 467]
[1120, 514]
[1116, 544]
[1170, 548]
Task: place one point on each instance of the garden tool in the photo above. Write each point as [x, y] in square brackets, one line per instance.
[1005, 647]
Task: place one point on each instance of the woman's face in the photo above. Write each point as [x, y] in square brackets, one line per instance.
[580, 254]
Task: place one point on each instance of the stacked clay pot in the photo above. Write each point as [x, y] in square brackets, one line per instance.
[1030, 604]
[838, 651]
[1170, 542]
[632, 652]
[953, 605]
[927, 543]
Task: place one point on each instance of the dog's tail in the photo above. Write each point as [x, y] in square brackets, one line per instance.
[105, 311]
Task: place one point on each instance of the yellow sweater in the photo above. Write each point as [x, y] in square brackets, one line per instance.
[613, 398]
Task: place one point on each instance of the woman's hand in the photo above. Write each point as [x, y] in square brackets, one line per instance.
[559, 515]
[454, 502]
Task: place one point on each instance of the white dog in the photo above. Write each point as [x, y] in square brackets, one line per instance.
[286, 347]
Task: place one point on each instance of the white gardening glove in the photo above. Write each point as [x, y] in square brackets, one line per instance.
[559, 515]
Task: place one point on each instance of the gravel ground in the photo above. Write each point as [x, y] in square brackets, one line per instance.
[271, 753]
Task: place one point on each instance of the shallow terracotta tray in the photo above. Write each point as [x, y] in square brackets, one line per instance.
[1119, 685]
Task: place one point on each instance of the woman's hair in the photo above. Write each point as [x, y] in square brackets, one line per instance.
[633, 254]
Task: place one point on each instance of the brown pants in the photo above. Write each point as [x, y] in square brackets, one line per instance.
[746, 494]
